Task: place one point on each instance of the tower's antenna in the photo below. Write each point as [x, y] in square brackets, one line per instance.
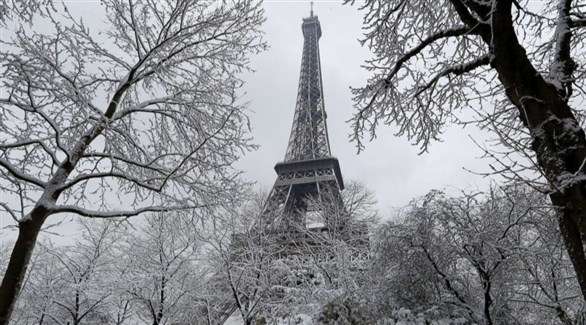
[311, 10]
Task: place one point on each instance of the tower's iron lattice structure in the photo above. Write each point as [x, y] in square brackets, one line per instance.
[308, 180]
[309, 172]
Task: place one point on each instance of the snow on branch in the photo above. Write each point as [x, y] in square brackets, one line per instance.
[171, 125]
[13, 170]
[561, 71]
[116, 214]
[456, 70]
[415, 44]
[386, 83]
[422, 78]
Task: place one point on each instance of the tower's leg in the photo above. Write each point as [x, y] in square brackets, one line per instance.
[273, 211]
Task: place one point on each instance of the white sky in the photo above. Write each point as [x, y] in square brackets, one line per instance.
[390, 166]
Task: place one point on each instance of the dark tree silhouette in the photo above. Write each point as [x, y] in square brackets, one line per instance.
[509, 66]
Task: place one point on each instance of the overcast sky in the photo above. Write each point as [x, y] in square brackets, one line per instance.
[390, 166]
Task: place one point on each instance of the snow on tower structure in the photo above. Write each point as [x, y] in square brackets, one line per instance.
[309, 181]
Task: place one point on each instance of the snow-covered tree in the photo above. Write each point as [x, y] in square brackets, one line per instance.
[543, 283]
[246, 262]
[339, 252]
[42, 284]
[71, 284]
[85, 272]
[24, 10]
[117, 273]
[479, 256]
[280, 275]
[139, 114]
[160, 269]
[513, 67]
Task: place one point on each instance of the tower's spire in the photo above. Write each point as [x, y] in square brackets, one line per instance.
[311, 9]
[309, 132]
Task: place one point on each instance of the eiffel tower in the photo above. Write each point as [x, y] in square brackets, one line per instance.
[309, 172]
[309, 181]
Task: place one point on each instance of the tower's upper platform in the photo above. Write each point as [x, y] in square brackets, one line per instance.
[311, 25]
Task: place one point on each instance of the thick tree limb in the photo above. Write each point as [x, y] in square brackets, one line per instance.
[464, 13]
[9, 210]
[115, 214]
[563, 66]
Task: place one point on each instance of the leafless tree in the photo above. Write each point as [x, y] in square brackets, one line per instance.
[71, 284]
[42, 284]
[314, 261]
[513, 67]
[161, 271]
[142, 115]
[85, 272]
[117, 273]
[245, 259]
[121, 308]
[544, 284]
[464, 253]
[251, 277]
[339, 246]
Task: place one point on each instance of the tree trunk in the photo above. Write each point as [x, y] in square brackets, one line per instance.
[570, 229]
[559, 141]
[28, 231]
[563, 316]
[487, 299]
[76, 319]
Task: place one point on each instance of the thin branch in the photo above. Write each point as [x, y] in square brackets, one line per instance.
[456, 70]
[7, 208]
